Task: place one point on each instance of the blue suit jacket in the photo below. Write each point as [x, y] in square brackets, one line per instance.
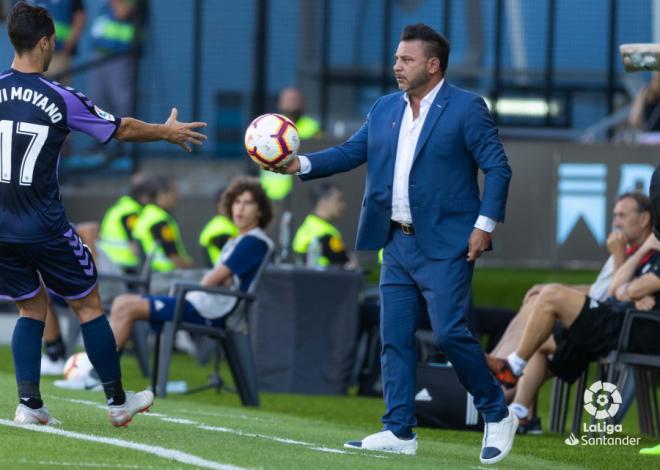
[458, 137]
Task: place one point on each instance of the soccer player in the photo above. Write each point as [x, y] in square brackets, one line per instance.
[39, 249]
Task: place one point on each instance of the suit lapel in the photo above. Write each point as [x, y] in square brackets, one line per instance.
[435, 111]
[397, 117]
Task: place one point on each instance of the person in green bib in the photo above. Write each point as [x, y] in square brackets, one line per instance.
[157, 231]
[216, 233]
[291, 103]
[318, 242]
[116, 31]
[115, 237]
[69, 18]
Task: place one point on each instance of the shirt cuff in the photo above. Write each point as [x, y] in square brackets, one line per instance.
[485, 223]
[305, 165]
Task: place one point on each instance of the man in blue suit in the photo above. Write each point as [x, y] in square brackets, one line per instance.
[424, 147]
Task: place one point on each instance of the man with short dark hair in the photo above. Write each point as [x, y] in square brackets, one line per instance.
[423, 147]
[69, 18]
[328, 203]
[39, 249]
[157, 231]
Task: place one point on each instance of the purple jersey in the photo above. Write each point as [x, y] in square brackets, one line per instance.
[36, 115]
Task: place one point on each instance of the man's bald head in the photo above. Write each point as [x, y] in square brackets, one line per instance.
[291, 103]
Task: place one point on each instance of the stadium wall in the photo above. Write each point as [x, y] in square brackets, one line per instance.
[558, 214]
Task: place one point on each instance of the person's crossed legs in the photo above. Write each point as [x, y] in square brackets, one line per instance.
[555, 302]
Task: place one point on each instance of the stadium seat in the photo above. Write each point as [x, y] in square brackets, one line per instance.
[644, 368]
[561, 392]
[233, 336]
[634, 375]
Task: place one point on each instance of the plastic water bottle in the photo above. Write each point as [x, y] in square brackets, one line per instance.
[285, 236]
[313, 253]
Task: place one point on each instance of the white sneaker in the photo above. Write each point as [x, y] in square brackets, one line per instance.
[86, 382]
[50, 367]
[135, 403]
[26, 415]
[498, 439]
[385, 441]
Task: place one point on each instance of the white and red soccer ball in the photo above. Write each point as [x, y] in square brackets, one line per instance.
[272, 140]
[77, 367]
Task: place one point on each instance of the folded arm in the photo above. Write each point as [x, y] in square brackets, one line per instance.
[625, 273]
[217, 276]
[639, 288]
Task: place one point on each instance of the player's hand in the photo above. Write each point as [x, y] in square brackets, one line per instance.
[646, 303]
[616, 243]
[290, 168]
[652, 243]
[479, 242]
[182, 133]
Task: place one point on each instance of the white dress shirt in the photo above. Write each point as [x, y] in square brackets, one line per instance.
[405, 151]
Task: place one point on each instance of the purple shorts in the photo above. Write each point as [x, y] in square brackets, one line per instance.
[63, 263]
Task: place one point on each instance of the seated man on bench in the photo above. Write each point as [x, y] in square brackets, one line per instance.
[631, 225]
[251, 211]
[590, 328]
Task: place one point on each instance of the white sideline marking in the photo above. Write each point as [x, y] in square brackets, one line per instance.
[170, 454]
[224, 415]
[282, 440]
[76, 464]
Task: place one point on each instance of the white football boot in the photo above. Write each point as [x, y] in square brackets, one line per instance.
[121, 415]
[385, 441]
[26, 415]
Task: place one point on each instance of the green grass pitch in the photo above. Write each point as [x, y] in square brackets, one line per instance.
[288, 431]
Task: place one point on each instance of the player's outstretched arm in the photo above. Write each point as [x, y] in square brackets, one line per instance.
[173, 131]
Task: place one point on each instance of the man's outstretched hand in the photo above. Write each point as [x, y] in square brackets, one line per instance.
[182, 133]
[290, 168]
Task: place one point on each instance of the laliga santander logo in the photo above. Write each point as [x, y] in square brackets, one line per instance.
[602, 400]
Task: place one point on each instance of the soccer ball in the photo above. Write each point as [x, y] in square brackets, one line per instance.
[77, 367]
[272, 140]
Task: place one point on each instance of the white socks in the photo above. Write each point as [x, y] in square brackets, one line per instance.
[517, 363]
[519, 410]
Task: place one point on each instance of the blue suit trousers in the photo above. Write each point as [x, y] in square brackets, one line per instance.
[445, 285]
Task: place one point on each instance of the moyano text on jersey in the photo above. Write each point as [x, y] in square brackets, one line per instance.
[36, 115]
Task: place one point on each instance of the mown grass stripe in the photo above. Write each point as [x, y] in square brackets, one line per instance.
[236, 432]
[170, 454]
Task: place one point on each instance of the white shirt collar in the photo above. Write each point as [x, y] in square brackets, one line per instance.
[430, 96]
